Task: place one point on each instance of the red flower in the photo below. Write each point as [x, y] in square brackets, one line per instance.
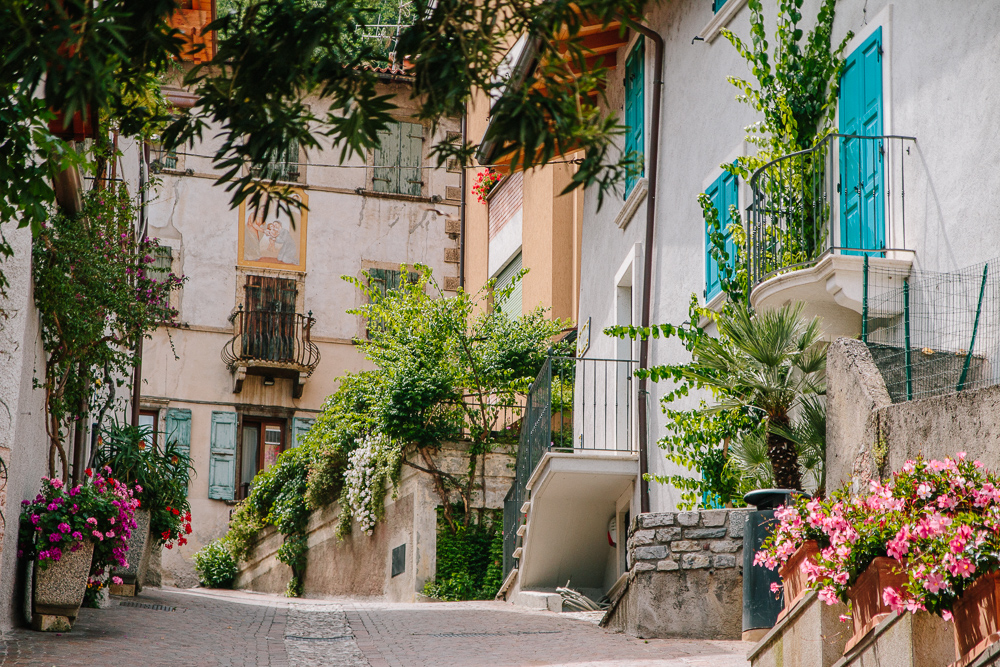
[187, 529]
[169, 546]
[165, 534]
[89, 472]
[187, 516]
[176, 513]
[182, 541]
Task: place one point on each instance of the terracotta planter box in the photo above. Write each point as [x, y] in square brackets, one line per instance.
[793, 576]
[867, 606]
[59, 588]
[977, 618]
[139, 546]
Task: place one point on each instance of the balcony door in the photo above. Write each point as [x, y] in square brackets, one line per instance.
[269, 331]
[862, 198]
[262, 442]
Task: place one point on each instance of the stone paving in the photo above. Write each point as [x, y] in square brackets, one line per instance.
[240, 629]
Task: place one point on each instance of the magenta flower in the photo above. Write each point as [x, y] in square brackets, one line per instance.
[77, 535]
[64, 528]
[116, 580]
[35, 519]
[92, 521]
[55, 537]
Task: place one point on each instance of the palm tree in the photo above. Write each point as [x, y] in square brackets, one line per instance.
[772, 362]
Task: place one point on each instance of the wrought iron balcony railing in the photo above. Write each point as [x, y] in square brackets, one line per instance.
[274, 343]
[845, 195]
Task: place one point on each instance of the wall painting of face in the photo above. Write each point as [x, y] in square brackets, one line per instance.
[275, 242]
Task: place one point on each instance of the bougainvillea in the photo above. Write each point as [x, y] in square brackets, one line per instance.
[484, 183]
[939, 520]
[60, 518]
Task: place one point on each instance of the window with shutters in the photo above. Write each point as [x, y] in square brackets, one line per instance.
[717, 5]
[261, 442]
[635, 101]
[723, 193]
[385, 280]
[511, 303]
[162, 264]
[269, 325]
[398, 159]
[222, 457]
[282, 164]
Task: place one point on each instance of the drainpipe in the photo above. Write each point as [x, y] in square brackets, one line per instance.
[461, 212]
[143, 223]
[647, 268]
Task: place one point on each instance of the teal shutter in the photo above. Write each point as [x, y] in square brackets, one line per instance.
[411, 152]
[222, 466]
[300, 426]
[724, 192]
[862, 205]
[717, 5]
[635, 101]
[512, 304]
[387, 160]
[179, 428]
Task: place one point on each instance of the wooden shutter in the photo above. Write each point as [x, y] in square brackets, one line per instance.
[386, 159]
[179, 428]
[300, 426]
[635, 101]
[411, 152]
[222, 466]
[512, 304]
[163, 259]
[723, 193]
[717, 5]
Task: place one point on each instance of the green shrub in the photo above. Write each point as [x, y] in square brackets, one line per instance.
[216, 565]
[469, 559]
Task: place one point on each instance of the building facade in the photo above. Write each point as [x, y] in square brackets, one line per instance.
[263, 333]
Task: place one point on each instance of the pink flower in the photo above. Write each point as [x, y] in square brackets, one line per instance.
[775, 587]
[946, 502]
[924, 490]
[92, 521]
[109, 534]
[77, 535]
[964, 567]
[828, 595]
[957, 546]
[56, 483]
[892, 598]
[55, 537]
[116, 580]
[64, 528]
[98, 534]
[946, 615]
[935, 582]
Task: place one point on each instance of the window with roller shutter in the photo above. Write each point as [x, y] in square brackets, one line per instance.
[511, 305]
[398, 159]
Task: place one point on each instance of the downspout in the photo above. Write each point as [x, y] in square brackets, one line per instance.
[143, 223]
[461, 211]
[647, 268]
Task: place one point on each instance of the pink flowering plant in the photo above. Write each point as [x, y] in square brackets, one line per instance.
[61, 517]
[939, 520]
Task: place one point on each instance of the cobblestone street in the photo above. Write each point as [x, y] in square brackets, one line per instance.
[239, 629]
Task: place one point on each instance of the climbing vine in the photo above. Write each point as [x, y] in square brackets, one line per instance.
[96, 299]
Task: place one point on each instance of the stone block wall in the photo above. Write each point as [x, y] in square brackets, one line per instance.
[685, 577]
[670, 541]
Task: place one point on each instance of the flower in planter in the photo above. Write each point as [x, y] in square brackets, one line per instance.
[484, 183]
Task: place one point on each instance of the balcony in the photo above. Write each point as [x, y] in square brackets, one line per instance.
[827, 227]
[576, 457]
[272, 344]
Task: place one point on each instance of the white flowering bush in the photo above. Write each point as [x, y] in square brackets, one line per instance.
[375, 462]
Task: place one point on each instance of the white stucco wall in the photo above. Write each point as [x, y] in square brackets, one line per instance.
[937, 69]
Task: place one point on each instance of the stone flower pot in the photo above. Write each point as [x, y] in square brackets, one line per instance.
[139, 545]
[977, 618]
[59, 588]
[868, 607]
[793, 575]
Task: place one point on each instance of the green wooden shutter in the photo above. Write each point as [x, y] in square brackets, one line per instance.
[512, 304]
[723, 193]
[222, 466]
[300, 426]
[635, 102]
[717, 5]
[179, 428]
[387, 160]
[411, 152]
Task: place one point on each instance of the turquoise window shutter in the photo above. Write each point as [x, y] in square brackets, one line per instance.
[717, 5]
[862, 199]
[411, 152]
[724, 192]
[387, 160]
[512, 305]
[222, 466]
[300, 426]
[635, 101]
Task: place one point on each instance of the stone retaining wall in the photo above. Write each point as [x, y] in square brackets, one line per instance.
[685, 576]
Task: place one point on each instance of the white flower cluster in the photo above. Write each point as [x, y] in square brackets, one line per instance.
[364, 481]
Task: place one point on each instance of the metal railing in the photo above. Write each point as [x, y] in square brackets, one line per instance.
[275, 339]
[573, 405]
[846, 195]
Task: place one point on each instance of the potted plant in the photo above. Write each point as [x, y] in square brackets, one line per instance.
[66, 530]
[161, 476]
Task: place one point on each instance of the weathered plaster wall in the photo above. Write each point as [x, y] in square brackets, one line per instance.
[686, 576]
[24, 445]
[910, 640]
[933, 56]
[869, 437]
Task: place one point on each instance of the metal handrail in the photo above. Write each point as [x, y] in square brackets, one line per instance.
[273, 339]
[798, 197]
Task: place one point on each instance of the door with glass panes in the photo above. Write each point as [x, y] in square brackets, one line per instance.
[262, 441]
[269, 332]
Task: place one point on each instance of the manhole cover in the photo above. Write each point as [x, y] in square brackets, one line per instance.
[146, 605]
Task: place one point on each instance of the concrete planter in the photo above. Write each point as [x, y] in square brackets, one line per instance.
[139, 547]
[59, 588]
[977, 618]
[868, 607]
[793, 575]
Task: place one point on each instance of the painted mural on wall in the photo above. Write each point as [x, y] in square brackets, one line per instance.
[277, 241]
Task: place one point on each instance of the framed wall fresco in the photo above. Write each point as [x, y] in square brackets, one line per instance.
[277, 242]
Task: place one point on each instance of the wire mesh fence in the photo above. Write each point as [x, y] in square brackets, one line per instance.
[935, 333]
